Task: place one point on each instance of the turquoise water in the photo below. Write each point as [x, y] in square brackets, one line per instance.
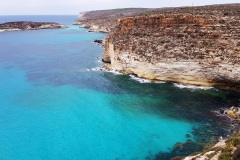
[53, 107]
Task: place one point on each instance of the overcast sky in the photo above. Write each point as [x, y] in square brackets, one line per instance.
[73, 7]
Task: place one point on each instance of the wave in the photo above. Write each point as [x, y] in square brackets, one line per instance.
[114, 72]
[94, 69]
[141, 80]
[99, 61]
[181, 86]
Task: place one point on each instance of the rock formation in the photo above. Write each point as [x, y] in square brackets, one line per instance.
[223, 150]
[193, 45]
[28, 25]
[189, 45]
[105, 20]
[234, 113]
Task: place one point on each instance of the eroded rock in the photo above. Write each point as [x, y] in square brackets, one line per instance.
[193, 46]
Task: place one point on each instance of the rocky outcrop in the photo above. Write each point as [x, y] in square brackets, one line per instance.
[105, 20]
[28, 25]
[234, 113]
[210, 154]
[193, 46]
[224, 150]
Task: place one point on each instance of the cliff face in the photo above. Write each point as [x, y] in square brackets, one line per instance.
[194, 46]
[105, 20]
[28, 25]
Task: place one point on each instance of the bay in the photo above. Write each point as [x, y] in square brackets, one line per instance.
[55, 103]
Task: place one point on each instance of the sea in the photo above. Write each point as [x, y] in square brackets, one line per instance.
[57, 104]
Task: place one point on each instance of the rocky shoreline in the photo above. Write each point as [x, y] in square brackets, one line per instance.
[29, 25]
[189, 45]
[226, 148]
[186, 46]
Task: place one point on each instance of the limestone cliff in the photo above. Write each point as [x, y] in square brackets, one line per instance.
[105, 20]
[191, 45]
[28, 25]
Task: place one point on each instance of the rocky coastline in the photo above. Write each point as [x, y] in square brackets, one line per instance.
[183, 45]
[188, 45]
[29, 25]
[225, 149]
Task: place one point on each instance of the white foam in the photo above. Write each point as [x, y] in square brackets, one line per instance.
[99, 61]
[160, 82]
[94, 69]
[141, 80]
[191, 87]
[114, 71]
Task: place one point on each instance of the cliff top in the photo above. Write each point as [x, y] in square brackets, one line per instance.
[225, 9]
[161, 45]
[106, 20]
[111, 13]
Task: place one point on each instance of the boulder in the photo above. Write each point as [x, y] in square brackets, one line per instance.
[221, 111]
[99, 41]
[231, 114]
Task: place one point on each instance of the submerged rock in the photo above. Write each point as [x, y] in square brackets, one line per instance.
[221, 111]
[29, 25]
[99, 41]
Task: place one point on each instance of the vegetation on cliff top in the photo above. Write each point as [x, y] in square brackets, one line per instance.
[106, 20]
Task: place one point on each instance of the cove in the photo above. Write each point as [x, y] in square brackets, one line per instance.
[52, 106]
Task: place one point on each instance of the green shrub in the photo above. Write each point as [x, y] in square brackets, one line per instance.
[226, 153]
[225, 156]
[235, 141]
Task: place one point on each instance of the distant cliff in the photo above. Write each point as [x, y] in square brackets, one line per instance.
[191, 45]
[28, 25]
[105, 20]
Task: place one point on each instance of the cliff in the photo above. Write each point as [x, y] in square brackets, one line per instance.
[28, 25]
[189, 45]
[105, 20]
[192, 45]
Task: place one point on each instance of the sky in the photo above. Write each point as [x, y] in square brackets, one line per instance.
[73, 7]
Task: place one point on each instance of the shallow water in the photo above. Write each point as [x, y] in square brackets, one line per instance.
[54, 105]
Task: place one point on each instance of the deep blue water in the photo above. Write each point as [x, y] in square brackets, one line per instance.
[52, 107]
